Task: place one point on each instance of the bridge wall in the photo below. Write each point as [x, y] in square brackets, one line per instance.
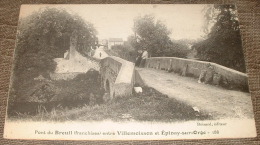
[117, 76]
[235, 78]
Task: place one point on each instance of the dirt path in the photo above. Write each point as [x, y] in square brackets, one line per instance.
[100, 53]
[217, 101]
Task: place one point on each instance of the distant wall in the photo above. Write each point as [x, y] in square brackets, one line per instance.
[78, 63]
[69, 68]
[117, 76]
[235, 78]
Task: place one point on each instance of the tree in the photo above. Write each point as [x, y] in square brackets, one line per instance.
[151, 34]
[43, 36]
[223, 44]
[154, 35]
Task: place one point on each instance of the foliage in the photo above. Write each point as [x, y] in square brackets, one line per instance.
[223, 45]
[43, 36]
[63, 93]
[177, 49]
[124, 51]
[154, 35]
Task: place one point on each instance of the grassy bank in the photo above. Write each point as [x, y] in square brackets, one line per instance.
[151, 105]
[46, 95]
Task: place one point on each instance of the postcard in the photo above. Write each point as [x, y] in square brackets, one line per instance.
[129, 72]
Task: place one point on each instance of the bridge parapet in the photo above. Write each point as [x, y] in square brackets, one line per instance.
[235, 78]
[117, 76]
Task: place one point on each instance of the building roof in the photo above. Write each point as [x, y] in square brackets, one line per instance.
[115, 40]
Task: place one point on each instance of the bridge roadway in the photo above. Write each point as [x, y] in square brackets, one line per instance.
[219, 102]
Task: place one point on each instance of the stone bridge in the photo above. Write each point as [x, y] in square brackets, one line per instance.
[117, 76]
[120, 76]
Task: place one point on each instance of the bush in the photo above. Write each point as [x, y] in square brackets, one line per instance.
[43, 36]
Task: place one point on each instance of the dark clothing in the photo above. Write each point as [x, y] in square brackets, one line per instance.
[138, 60]
[142, 64]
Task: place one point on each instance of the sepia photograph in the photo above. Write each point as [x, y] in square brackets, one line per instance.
[116, 72]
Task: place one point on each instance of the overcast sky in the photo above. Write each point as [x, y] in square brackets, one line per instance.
[116, 21]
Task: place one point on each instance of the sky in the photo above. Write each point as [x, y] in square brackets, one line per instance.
[116, 20]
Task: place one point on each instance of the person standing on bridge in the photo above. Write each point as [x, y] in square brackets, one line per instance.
[138, 58]
[144, 57]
